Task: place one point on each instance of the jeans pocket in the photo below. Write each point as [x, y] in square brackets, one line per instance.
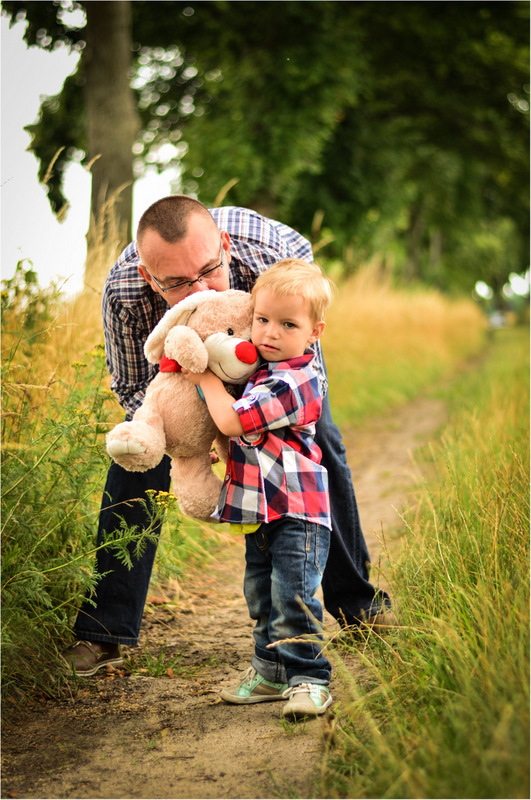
[319, 537]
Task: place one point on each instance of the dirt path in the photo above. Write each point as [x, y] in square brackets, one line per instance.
[135, 736]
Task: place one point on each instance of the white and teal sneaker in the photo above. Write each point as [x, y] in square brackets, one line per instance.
[253, 688]
[306, 700]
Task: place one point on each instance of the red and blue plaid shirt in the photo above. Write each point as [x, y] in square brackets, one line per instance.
[274, 469]
[131, 308]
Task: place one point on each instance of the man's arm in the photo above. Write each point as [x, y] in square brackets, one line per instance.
[130, 311]
[130, 372]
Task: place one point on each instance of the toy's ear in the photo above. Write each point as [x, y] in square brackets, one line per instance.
[178, 315]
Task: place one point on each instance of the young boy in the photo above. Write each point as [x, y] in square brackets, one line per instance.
[276, 491]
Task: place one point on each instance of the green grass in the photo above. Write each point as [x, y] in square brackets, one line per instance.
[444, 711]
[158, 664]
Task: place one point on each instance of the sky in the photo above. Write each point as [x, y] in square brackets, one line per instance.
[29, 230]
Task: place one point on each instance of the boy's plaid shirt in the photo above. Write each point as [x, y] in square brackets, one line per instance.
[131, 309]
[274, 469]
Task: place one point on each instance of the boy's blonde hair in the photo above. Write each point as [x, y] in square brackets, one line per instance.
[294, 276]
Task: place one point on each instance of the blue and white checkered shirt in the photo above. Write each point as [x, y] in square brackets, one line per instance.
[131, 308]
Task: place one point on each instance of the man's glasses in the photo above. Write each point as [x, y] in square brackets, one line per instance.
[181, 283]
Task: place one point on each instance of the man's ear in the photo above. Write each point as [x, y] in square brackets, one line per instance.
[145, 274]
[147, 277]
[317, 332]
[225, 239]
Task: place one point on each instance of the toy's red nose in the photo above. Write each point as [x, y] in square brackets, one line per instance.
[246, 352]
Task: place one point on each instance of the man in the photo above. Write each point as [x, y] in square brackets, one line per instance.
[182, 248]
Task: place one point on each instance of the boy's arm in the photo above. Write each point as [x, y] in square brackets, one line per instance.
[218, 400]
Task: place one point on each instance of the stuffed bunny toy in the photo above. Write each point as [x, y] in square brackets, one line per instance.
[206, 329]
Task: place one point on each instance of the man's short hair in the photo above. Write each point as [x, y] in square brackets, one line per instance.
[169, 217]
[294, 276]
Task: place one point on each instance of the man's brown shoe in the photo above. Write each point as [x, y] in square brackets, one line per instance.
[380, 622]
[86, 658]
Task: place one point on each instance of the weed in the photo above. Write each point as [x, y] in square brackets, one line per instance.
[53, 464]
[163, 664]
[293, 727]
[155, 665]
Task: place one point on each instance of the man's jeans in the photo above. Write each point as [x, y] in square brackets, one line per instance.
[121, 594]
[285, 560]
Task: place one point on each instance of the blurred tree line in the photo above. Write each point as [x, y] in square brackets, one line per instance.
[398, 128]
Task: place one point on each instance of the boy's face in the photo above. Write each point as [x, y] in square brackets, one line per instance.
[282, 326]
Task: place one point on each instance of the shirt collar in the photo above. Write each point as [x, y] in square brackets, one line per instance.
[289, 363]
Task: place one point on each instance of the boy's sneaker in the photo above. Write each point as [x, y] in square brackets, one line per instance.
[306, 700]
[254, 689]
[86, 658]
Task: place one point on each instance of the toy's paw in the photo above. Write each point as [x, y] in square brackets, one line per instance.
[122, 447]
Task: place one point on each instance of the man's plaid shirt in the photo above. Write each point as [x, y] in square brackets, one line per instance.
[274, 469]
[131, 309]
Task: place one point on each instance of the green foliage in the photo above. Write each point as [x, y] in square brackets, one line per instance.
[493, 249]
[426, 153]
[53, 468]
[64, 113]
[25, 305]
[403, 125]
[284, 85]
[48, 23]
[445, 712]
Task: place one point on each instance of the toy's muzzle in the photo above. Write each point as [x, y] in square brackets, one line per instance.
[246, 352]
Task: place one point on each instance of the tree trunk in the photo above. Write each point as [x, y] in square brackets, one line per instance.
[414, 236]
[112, 125]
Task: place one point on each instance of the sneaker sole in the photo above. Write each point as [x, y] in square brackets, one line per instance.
[87, 673]
[244, 701]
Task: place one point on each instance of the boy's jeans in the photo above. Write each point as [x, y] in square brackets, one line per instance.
[285, 560]
[121, 594]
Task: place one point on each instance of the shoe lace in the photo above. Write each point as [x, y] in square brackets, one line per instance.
[299, 689]
[248, 675]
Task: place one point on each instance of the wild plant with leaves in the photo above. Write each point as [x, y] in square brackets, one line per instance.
[54, 419]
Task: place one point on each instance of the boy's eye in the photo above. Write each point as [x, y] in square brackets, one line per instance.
[290, 325]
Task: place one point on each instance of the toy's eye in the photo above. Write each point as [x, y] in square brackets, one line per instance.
[230, 332]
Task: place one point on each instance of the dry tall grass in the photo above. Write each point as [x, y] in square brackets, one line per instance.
[383, 346]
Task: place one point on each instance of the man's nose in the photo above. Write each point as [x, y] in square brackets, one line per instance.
[198, 285]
